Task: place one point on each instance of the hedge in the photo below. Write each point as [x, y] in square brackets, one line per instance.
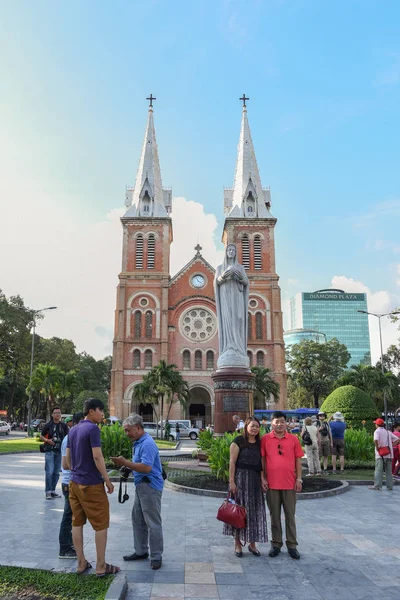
[355, 405]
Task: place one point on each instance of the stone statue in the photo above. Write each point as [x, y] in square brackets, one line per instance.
[231, 287]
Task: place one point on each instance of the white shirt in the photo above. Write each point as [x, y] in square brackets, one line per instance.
[384, 438]
[240, 425]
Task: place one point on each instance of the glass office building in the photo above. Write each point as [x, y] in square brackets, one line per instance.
[334, 313]
[295, 336]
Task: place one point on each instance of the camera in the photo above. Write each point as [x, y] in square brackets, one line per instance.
[124, 473]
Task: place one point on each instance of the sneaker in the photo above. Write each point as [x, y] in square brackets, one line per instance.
[375, 488]
[55, 495]
[49, 496]
[326, 473]
[333, 472]
[293, 553]
[310, 475]
[68, 554]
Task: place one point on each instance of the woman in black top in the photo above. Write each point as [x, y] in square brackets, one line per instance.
[247, 483]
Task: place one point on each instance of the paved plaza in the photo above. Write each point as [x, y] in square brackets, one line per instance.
[349, 544]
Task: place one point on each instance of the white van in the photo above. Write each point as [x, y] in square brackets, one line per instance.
[185, 422]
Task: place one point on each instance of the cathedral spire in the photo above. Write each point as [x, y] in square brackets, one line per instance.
[148, 198]
[247, 198]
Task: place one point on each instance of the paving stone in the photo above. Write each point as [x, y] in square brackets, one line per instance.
[169, 590]
[163, 576]
[192, 577]
[200, 590]
[199, 567]
[235, 592]
[140, 576]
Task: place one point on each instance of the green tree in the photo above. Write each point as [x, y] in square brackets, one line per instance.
[391, 360]
[298, 397]
[46, 381]
[373, 382]
[264, 385]
[66, 389]
[355, 405]
[316, 367]
[78, 401]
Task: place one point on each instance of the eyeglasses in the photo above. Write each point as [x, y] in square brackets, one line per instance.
[279, 450]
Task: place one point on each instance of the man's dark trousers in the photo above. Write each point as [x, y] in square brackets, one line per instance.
[65, 536]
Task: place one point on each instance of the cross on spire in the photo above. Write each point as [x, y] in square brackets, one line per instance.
[243, 99]
[198, 249]
[151, 98]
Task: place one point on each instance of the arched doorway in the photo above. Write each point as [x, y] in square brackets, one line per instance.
[198, 409]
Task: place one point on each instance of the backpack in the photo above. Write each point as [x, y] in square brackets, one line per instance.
[324, 431]
[306, 437]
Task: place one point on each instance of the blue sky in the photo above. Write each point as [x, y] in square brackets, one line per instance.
[324, 86]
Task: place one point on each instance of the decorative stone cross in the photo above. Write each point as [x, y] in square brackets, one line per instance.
[198, 248]
[151, 98]
[243, 99]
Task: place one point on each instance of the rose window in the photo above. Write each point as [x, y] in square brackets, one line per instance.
[198, 325]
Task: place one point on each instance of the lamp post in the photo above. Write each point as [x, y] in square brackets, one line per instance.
[379, 317]
[34, 313]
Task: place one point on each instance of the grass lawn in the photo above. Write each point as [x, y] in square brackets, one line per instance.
[58, 586]
[164, 444]
[20, 445]
[354, 474]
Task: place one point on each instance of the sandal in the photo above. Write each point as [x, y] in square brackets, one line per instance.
[110, 570]
[88, 566]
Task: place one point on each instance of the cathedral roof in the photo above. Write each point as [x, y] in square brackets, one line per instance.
[148, 198]
[247, 188]
[197, 258]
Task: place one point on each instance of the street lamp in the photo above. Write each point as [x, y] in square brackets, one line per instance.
[34, 313]
[379, 317]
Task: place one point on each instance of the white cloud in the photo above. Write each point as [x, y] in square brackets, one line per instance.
[53, 256]
[379, 302]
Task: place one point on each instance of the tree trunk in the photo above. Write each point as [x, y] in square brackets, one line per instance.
[316, 400]
[162, 415]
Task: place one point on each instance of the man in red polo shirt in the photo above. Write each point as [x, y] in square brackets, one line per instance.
[281, 458]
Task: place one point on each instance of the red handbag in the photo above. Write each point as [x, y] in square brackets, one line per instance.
[232, 514]
[384, 450]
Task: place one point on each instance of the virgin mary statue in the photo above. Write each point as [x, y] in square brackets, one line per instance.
[231, 287]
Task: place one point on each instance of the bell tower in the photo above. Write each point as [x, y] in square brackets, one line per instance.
[141, 316]
[250, 225]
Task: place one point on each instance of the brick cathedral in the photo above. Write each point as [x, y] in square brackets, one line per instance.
[167, 316]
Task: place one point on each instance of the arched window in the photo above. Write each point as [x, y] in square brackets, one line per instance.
[249, 331]
[148, 359]
[198, 360]
[210, 359]
[151, 244]
[250, 355]
[260, 359]
[149, 324]
[257, 253]
[186, 360]
[259, 327]
[136, 359]
[137, 332]
[246, 251]
[139, 252]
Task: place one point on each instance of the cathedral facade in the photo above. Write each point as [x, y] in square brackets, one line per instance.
[167, 316]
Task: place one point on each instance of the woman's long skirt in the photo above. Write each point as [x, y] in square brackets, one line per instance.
[250, 495]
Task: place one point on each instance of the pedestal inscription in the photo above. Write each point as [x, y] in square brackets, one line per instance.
[235, 403]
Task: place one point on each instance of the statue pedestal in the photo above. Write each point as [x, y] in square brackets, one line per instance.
[233, 390]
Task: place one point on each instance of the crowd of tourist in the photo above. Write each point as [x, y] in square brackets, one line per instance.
[260, 465]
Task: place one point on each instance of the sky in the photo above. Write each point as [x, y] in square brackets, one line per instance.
[324, 87]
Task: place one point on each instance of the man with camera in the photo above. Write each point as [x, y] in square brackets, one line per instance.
[149, 484]
[52, 435]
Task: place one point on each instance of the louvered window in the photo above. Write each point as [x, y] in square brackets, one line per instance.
[137, 324]
[260, 359]
[198, 360]
[149, 324]
[139, 252]
[259, 327]
[148, 359]
[249, 323]
[210, 359]
[151, 245]
[136, 359]
[186, 360]
[246, 252]
[257, 253]
[250, 356]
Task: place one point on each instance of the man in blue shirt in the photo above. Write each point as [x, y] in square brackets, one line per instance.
[149, 484]
[338, 427]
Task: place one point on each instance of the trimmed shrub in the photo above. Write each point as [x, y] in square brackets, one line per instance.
[355, 405]
[115, 442]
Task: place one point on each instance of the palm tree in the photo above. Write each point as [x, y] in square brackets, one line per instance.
[163, 382]
[45, 380]
[67, 385]
[264, 384]
[372, 381]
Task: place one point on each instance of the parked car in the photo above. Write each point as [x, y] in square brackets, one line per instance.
[185, 431]
[151, 429]
[5, 427]
[37, 424]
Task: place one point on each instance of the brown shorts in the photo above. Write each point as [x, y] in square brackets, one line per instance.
[337, 447]
[89, 502]
[326, 448]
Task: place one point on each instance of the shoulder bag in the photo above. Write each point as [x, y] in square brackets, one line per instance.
[306, 437]
[232, 514]
[384, 450]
